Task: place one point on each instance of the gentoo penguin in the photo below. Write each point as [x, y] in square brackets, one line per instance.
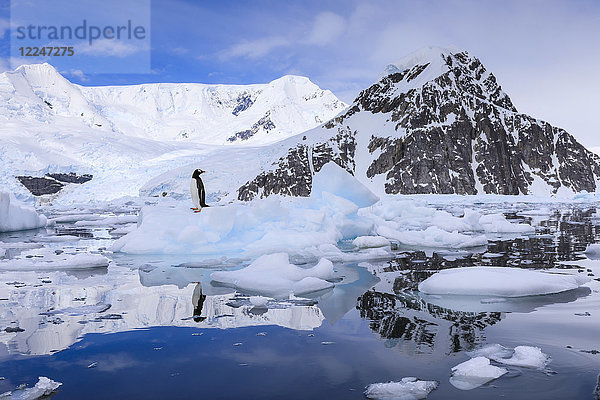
[197, 191]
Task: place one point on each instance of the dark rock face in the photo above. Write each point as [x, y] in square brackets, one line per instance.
[244, 101]
[40, 186]
[294, 172]
[457, 132]
[264, 123]
[51, 183]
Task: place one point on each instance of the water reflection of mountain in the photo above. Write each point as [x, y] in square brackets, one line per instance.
[57, 309]
[407, 321]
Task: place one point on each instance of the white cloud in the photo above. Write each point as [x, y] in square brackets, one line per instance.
[327, 28]
[78, 74]
[254, 48]
[110, 47]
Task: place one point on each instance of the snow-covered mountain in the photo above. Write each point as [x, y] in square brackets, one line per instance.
[125, 135]
[435, 122]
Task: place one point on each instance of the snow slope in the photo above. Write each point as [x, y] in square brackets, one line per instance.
[126, 135]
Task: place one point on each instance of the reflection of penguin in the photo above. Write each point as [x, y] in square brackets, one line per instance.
[197, 191]
[198, 302]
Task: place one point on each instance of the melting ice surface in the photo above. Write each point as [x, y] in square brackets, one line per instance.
[178, 323]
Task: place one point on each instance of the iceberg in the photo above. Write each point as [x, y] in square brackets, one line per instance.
[499, 281]
[474, 373]
[15, 216]
[409, 388]
[272, 275]
[520, 356]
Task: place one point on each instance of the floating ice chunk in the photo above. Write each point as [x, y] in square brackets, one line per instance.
[593, 251]
[274, 276]
[335, 180]
[433, 237]
[407, 389]
[498, 281]
[520, 356]
[62, 261]
[492, 351]
[497, 223]
[474, 373]
[44, 387]
[364, 242]
[15, 216]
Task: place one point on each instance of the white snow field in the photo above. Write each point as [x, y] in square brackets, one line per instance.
[408, 388]
[15, 216]
[272, 275]
[499, 281]
[474, 373]
[44, 387]
[127, 135]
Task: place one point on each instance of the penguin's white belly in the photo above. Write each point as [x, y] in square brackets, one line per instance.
[194, 192]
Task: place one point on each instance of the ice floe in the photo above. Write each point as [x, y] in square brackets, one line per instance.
[339, 208]
[44, 387]
[15, 216]
[520, 356]
[593, 251]
[474, 373]
[433, 237]
[364, 242]
[55, 262]
[273, 275]
[499, 281]
[409, 388]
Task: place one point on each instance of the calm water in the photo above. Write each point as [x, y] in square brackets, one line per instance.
[372, 327]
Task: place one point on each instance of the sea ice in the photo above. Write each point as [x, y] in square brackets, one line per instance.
[474, 373]
[593, 251]
[56, 262]
[44, 387]
[407, 389]
[337, 181]
[364, 242]
[499, 281]
[497, 223]
[433, 237]
[520, 356]
[273, 275]
[15, 216]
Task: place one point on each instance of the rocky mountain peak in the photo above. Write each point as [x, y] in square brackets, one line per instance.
[437, 121]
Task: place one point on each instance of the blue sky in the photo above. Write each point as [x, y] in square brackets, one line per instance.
[545, 54]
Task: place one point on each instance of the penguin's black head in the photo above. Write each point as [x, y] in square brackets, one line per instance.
[197, 173]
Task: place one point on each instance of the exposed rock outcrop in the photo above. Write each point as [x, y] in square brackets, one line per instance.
[437, 122]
